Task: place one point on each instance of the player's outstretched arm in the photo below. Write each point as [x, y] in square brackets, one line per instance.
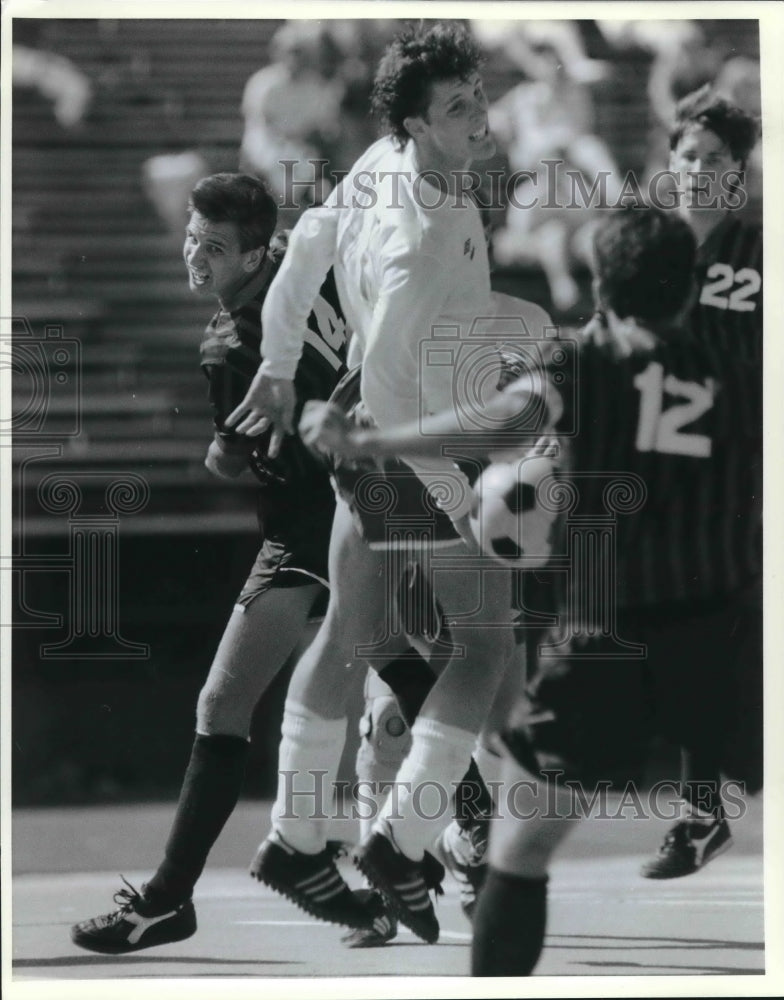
[324, 428]
[268, 401]
[271, 398]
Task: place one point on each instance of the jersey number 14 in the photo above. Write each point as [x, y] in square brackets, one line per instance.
[661, 429]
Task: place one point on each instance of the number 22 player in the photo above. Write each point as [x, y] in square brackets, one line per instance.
[710, 143]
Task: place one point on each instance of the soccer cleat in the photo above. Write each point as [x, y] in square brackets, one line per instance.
[463, 853]
[384, 927]
[403, 882]
[138, 923]
[311, 881]
[687, 847]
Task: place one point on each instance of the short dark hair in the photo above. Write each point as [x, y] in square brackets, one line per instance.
[422, 54]
[736, 128]
[644, 261]
[241, 199]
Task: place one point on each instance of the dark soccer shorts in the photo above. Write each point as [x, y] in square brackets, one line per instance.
[295, 554]
[388, 501]
[591, 713]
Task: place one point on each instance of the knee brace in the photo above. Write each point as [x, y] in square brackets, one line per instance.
[385, 739]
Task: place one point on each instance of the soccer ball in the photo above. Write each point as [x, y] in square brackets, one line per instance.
[509, 524]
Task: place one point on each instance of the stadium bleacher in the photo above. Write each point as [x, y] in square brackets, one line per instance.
[90, 253]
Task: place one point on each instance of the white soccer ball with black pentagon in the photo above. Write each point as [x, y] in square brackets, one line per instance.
[509, 524]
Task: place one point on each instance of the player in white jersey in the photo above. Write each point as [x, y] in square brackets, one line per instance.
[402, 268]
[407, 245]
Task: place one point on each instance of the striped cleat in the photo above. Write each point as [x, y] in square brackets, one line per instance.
[402, 881]
[384, 927]
[311, 881]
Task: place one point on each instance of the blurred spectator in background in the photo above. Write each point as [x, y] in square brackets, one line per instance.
[55, 78]
[361, 44]
[738, 81]
[682, 60]
[292, 112]
[521, 39]
[168, 180]
[550, 116]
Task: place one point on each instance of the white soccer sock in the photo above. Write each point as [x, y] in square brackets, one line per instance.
[420, 802]
[308, 758]
[371, 798]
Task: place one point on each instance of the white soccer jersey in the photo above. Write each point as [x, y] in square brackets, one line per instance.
[413, 276]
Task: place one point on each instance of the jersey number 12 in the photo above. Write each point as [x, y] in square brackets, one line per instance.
[660, 429]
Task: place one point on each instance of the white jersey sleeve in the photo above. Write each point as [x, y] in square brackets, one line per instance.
[290, 299]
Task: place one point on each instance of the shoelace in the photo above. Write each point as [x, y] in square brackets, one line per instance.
[478, 836]
[125, 899]
[471, 853]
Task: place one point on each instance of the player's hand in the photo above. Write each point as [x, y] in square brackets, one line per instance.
[268, 401]
[546, 447]
[325, 429]
[225, 465]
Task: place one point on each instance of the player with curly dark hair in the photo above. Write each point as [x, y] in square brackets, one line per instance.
[414, 61]
[408, 247]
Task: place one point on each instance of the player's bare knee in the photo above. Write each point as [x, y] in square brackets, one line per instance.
[217, 714]
[533, 819]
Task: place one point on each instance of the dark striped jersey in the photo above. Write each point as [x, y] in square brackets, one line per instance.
[727, 317]
[728, 314]
[728, 322]
[230, 357]
[660, 472]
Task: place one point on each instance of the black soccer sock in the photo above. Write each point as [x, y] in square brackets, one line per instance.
[701, 782]
[411, 680]
[210, 789]
[509, 925]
